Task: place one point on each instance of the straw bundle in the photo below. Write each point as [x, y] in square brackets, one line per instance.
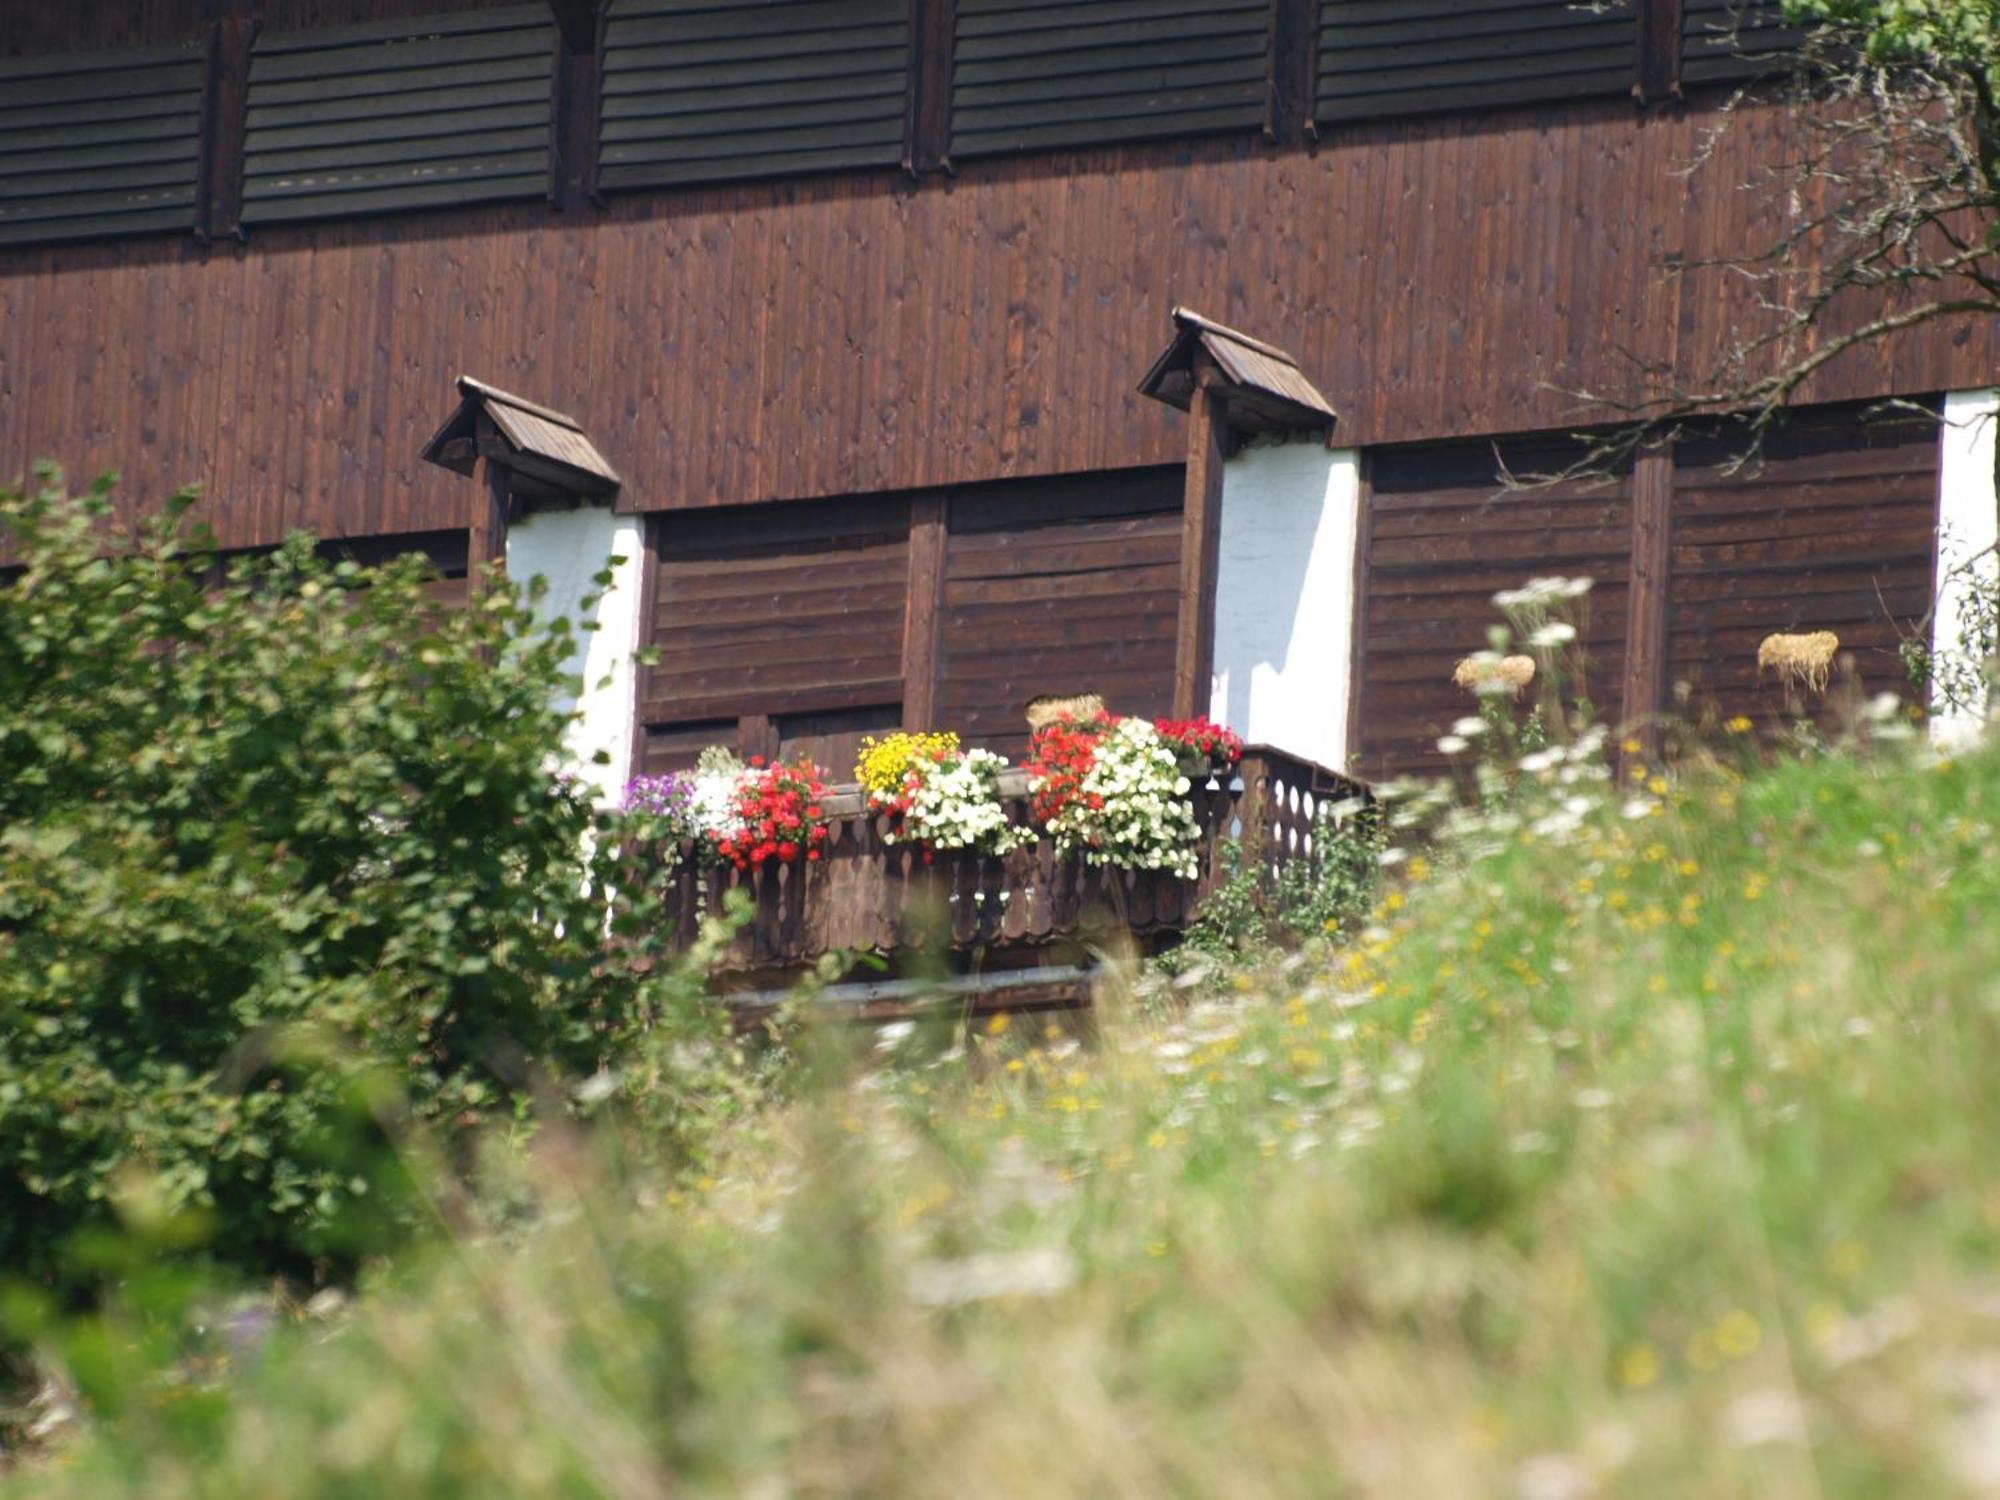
[1803, 661]
[1047, 709]
[1490, 676]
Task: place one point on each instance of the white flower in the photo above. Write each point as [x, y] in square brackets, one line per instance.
[1555, 633]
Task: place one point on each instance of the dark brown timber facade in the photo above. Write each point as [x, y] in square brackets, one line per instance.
[855, 293]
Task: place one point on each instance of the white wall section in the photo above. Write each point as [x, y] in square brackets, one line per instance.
[1968, 528]
[1284, 597]
[569, 548]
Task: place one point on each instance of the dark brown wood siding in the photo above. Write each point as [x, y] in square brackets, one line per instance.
[1731, 41]
[398, 114]
[700, 90]
[793, 619]
[1444, 534]
[99, 143]
[845, 335]
[1833, 529]
[1060, 587]
[1379, 58]
[1031, 74]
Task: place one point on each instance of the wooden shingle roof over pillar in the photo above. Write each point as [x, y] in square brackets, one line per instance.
[525, 457]
[1261, 386]
[1231, 386]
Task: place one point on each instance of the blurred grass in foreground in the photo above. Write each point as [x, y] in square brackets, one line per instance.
[1645, 1144]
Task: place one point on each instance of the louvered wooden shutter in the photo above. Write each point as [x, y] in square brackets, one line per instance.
[703, 90]
[99, 143]
[414, 114]
[1379, 58]
[1040, 73]
[1730, 41]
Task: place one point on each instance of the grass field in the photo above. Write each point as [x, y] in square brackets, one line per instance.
[1646, 1143]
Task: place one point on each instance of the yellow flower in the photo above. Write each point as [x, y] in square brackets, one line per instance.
[884, 763]
[1737, 1334]
[1738, 725]
[1638, 1367]
[998, 1024]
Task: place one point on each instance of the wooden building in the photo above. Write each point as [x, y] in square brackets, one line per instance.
[855, 297]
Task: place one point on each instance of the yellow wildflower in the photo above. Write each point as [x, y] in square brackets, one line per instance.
[1638, 1367]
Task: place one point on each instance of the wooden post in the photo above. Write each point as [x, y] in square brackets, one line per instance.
[575, 100]
[225, 118]
[1659, 51]
[927, 138]
[1289, 87]
[1644, 688]
[920, 617]
[1357, 660]
[487, 543]
[1201, 536]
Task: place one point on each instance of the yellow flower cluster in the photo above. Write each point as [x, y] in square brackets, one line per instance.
[884, 762]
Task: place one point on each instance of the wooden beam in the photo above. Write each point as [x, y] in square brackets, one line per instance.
[1364, 533]
[1294, 39]
[920, 613]
[1201, 536]
[1645, 680]
[1659, 51]
[486, 541]
[575, 99]
[927, 140]
[225, 122]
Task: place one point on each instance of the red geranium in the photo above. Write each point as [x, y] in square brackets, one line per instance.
[1059, 756]
[783, 818]
[1203, 739]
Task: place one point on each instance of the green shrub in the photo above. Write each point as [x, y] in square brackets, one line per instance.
[285, 866]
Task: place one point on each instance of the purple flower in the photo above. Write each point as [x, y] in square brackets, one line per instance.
[668, 796]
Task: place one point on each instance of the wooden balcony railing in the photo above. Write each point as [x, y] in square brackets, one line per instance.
[867, 896]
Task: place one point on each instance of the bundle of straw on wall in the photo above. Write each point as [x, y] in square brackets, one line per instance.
[1490, 676]
[1802, 661]
[1047, 709]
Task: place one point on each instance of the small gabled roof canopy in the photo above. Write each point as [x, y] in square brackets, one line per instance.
[544, 452]
[1261, 386]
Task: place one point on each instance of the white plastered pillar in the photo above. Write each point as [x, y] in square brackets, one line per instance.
[572, 549]
[1284, 597]
[1968, 529]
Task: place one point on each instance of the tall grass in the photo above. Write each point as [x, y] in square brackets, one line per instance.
[1646, 1142]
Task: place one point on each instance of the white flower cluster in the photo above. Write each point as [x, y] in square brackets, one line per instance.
[1542, 594]
[955, 804]
[1133, 809]
[715, 804]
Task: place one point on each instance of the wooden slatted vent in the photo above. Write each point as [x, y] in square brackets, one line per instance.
[414, 114]
[1379, 58]
[700, 90]
[1731, 41]
[1031, 73]
[99, 143]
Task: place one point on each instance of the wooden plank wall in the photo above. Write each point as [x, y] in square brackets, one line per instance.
[793, 632]
[1835, 529]
[1068, 588]
[1443, 535]
[1832, 529]
[856, 334]
[778, 633]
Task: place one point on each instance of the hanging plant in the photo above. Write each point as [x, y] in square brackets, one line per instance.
[1060, 755]
[779, 816]
[1205, 747]
[1119, 796]
[949, 799]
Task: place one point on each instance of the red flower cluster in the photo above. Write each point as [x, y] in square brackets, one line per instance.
[1060, 755]
[1203, 738]
[782, 815]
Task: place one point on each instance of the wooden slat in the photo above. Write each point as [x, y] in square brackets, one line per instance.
[98, 144]
[1379, 58]
[696, 92]
[1732, 41]
[1028, 73]
[376, 118]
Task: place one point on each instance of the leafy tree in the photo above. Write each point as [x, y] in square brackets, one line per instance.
[286, 866]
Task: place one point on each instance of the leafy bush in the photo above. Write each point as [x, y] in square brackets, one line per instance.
[286, 865]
